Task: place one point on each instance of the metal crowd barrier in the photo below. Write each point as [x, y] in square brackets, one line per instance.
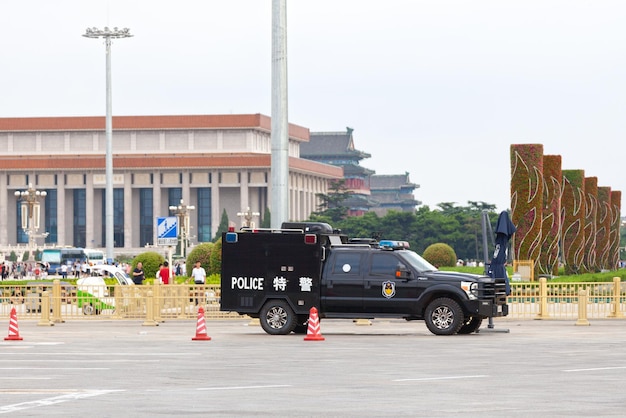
[545, 300]
[61, 301]
[64, 301]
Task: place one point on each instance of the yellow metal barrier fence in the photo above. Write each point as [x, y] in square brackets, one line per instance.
[64, 301]
[545, 300]
[67, 301]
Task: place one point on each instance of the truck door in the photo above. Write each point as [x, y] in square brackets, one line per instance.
[385, 293]
[342, 282]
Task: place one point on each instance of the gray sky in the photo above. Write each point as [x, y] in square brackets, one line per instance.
[439, 89]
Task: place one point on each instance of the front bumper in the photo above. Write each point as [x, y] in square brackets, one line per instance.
[487, 308]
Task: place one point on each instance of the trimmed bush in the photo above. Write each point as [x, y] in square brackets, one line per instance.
[202, 253]
[150, 260]
[216, 258]
[440, 255]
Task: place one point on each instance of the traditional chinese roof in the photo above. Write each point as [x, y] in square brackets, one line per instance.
[382, 182]
[331, 147]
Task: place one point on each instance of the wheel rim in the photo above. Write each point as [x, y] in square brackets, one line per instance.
[443, 317]
[276, 317]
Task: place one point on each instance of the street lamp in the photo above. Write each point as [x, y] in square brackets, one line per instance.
[31, 213]
[246, 218]
[182, 212]
[107, 34]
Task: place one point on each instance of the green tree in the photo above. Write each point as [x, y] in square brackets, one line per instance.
[458, 226]
[266, 222]
[13, 256]
[332, 204]
[222, 227]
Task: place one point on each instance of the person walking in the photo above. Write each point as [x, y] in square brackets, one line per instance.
[138, 274]
[199, 278]
[164, 273]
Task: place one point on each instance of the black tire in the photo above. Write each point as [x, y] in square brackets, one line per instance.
[444, 316]
[277, 317]
[471, 325]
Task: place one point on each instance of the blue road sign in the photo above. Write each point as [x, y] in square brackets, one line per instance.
[167, 230]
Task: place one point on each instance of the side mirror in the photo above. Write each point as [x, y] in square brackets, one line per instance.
[402, 272]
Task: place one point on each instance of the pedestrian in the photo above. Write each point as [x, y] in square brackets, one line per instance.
[164, 273]
[158, 274]
[64, 271]
[199, 278]
[138, 273]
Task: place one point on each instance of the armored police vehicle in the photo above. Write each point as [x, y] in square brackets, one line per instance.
[279, 275]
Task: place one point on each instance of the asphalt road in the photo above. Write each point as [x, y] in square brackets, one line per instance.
[391, 369]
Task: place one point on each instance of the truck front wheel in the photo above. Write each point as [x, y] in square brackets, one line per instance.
[444, 316]
[277, 318]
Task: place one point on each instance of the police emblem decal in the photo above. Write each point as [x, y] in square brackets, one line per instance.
[389, 289]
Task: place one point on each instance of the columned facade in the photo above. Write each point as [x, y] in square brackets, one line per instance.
[214, 162]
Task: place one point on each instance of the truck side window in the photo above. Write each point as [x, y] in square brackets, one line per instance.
[347, 264]
[383, 264]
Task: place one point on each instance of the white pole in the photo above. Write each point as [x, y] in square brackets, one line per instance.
[279, 203]
[109, 156]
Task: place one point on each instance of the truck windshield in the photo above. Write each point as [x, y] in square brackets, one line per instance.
[416, 261]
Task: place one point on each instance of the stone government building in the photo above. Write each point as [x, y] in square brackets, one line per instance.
[213, 162]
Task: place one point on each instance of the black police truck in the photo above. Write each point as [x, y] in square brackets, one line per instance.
[278, 275]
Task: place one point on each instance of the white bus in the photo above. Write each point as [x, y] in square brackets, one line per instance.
[55, 257]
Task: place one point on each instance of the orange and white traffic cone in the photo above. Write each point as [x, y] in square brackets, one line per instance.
[313, 332]
[14, 331]
[201, 334]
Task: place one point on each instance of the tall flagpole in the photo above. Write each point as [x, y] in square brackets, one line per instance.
[279, 202]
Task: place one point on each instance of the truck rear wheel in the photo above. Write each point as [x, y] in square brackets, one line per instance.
[277, 317]
[471, 325]
[444, 316]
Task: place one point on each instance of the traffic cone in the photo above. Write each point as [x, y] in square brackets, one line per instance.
[201, 334]
[14, 332]
[313, 332]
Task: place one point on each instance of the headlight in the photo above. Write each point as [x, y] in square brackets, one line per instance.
[471, 289]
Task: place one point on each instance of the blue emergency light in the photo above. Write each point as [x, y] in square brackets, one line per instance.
[231, 237]
[391, 244]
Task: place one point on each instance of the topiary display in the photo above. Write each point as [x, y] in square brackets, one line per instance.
[573, 210]
[440, 255]
[202, 253]
[151, 261]
[548, 262]
[616, 221]
[604, 220]
[527, 200]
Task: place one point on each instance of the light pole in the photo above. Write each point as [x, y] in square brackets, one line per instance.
[107, 34]
[182, 212]
[31, 213]
[246, 218]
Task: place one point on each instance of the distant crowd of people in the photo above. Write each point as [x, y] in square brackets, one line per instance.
[22, 270]
[78, 269]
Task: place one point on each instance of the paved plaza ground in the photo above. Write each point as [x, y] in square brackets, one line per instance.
[390, 368]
